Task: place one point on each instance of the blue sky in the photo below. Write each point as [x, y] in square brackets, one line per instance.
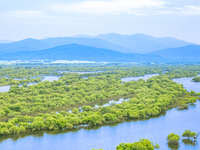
[20, 19]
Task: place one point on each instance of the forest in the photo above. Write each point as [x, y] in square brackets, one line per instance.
[46, 105]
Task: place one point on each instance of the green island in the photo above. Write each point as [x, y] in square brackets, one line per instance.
[46, 106]
[196, 79]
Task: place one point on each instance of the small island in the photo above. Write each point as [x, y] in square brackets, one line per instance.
[196, 79]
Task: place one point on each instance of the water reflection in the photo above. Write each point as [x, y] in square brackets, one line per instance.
[173, 146]
[189, 142]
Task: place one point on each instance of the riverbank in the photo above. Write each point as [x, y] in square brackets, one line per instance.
[156, 129]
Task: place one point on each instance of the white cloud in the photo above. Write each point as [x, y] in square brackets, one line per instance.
[186, 10]
[110, 7]
[22, 14]
[191, 10]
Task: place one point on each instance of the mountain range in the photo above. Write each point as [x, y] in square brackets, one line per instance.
[79, 52]
[189, 52]
[110, 47]
[136, 43]
[140, 43]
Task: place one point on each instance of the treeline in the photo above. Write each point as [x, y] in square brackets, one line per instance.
[121, 70]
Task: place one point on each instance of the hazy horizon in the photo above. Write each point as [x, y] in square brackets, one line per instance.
[10, 41]
[158, 18]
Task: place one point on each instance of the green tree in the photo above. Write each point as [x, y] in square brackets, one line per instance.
[189, 134]
[173, 138]
[142, 144]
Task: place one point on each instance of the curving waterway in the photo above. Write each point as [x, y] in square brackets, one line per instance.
[49, 78]
[108, 137]
[45, 78]
[188, 84]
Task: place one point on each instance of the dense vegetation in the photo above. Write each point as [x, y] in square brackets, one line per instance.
[142, 144]
[30, 108]
[24, 70]
[196, 79]
[189, 134]
[173, 138]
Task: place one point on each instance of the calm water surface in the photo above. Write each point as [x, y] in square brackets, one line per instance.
[145, 77]
[108, 137]
[5, 88]
[111, 102]
[188, 84]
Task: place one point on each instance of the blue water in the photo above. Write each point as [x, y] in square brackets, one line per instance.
[145, 77]
[111, 102]
[5, 88]
[188, 84]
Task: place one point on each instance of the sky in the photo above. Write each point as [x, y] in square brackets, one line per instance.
[20, 19]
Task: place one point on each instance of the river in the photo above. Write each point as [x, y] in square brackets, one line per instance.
[108, 137]
[187, 84]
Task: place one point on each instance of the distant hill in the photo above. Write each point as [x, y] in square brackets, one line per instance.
[23, 45]
[79, 52]
[93, 42]
[140, 43]
[34, 44]
[190, 52]
[136, 43]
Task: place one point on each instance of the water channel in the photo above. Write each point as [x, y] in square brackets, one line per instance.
[48, 78]
[145, 77]
[45, 78]
[108, 137]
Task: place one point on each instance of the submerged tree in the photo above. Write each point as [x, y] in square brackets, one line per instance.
[142, 144]
[173, 138]
[189, 134]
